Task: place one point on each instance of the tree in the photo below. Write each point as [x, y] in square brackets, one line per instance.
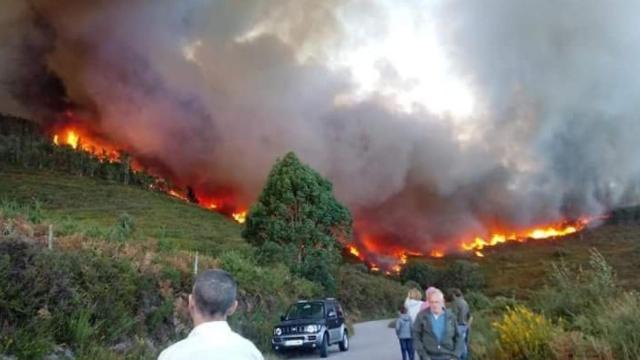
[420, 272]
[298, 214]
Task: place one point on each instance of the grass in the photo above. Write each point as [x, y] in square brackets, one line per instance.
[81, 204]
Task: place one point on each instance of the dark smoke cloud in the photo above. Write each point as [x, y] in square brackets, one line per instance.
[212, 92]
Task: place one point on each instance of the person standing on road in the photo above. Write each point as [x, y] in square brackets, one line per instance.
[460, 308]
[435, 331]
[413, 303]
[403, 330]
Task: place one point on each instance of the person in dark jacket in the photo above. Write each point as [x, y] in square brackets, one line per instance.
[460, 308]
[403, 330]
[435, 331]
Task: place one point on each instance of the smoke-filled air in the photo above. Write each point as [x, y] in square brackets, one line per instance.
[436, 121]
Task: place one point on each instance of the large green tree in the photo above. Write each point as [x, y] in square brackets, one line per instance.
[297, 220]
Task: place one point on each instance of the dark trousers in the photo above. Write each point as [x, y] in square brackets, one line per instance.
[406, 346]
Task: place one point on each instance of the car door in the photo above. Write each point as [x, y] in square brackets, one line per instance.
[332, 323]
[341, 319]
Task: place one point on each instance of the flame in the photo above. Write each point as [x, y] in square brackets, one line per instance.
[240, 217]
[538, 233]
[354, 251]
[73, 134]
[177, 195]
[79, 139]
[436, 253]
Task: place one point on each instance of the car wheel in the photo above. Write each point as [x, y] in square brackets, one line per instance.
[344, 343]
[324, 348]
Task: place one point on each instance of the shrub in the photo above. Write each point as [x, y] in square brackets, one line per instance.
[463, 275]
[576, 345]
[368, 297]
[419, 272]
[523, 334]
[123, 228]
[618, 323]
[574, 294]
[79, 298]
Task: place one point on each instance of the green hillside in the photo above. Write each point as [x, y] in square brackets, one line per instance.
[82, 204]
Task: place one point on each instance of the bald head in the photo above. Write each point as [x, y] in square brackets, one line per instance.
[214, 293]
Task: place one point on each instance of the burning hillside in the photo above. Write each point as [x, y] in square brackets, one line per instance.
[71, 132]
[472, 138]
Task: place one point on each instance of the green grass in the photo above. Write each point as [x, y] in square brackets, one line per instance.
[81, 204]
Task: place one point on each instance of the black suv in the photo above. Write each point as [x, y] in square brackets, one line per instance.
[311, 324]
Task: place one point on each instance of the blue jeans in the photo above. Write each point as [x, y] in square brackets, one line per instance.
[463, 330]
[406, 346]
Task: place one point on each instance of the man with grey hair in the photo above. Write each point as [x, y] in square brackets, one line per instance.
[211, 301]
[435, 331]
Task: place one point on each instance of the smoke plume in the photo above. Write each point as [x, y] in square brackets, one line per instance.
[210, 93]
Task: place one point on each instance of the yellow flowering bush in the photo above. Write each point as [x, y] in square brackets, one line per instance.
[523, 334]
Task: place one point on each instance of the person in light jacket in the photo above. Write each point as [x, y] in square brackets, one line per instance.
[413, 303]
[403, 330]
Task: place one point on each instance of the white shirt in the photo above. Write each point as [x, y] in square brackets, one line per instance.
[413, 308]
[212, 340]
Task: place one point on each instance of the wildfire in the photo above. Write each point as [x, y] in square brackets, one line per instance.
[240, 217]
[354, 251]
[70, 139]
[436, 253]
[177, 195]
[79, 139]
[391, 258]
[545, 232]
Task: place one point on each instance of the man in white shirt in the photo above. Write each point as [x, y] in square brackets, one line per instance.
[211, 301]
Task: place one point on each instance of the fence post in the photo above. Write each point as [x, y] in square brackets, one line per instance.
[195, 265]
[50, 238]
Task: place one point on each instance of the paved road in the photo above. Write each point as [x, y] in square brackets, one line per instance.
[373, 340]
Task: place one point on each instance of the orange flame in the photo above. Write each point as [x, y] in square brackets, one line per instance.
[354, 251]
[544, 232]
[436, 253]
[80, 140]
[240, 217]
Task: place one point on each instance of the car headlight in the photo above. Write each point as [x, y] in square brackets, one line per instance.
[277, 331]
[312, 328]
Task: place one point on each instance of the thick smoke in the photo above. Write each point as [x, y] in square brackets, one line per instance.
[211, 92]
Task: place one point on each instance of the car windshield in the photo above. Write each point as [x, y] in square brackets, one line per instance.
[308, 310]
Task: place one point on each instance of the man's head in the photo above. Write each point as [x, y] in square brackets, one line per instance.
[213, 296]
[436, 301]
[456, 293]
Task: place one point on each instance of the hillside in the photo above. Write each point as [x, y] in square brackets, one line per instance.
[146, 272]
[82, 204]
[520, 267]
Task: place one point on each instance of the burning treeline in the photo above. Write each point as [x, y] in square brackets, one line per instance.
[208, 94]
[72, 132]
